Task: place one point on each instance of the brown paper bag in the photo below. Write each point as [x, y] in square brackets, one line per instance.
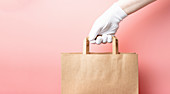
[99, 73]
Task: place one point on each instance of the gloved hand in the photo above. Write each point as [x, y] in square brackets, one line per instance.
[106, 25]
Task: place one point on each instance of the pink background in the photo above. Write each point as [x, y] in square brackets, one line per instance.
[33, 33]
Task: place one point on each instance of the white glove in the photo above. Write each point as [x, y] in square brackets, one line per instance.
[106, 25]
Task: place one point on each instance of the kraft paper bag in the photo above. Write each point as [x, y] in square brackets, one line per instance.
[99, 73]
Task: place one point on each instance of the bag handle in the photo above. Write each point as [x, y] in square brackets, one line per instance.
[114, 45]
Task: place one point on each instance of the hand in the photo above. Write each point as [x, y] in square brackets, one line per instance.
[106, 25]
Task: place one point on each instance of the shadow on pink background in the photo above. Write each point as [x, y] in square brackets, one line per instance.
[33, 33]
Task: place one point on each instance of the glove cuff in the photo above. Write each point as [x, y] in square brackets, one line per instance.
[118, 11]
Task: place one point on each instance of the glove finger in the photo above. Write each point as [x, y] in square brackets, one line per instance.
[94, 32]
[99, 40]
[104, 37]
[93, 41]
[109, 38]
